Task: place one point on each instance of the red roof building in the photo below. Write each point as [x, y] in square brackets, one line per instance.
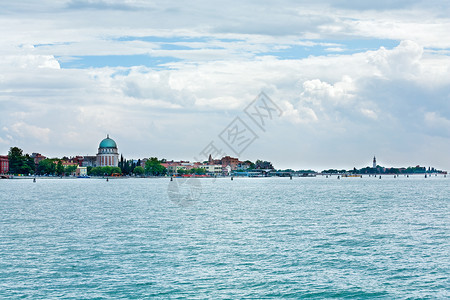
[37, 157]
[230, 161]
[4, 164]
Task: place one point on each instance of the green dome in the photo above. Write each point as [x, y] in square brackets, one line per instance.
[108, 143]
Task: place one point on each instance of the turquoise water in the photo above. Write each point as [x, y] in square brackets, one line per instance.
[247, 238]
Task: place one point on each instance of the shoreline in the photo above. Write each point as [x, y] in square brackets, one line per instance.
[434, 175]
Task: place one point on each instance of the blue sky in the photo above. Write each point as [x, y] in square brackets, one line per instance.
[288, 51]
[164, 78]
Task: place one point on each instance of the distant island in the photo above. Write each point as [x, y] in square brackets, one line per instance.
[17, 163]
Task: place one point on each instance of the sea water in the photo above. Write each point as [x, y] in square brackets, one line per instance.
[247, 238]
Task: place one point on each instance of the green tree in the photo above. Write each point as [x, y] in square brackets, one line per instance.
[95, 171]
[70, 169]
[102, 171]
[153, 167]
[251, 165]
[15, 160]
[116, 170]
[29, 161]
[121, 162]
[59, 168]
[139, 170]
[124, 166]
[182, 172]
[46, 166]
[107, 170]
[198, 171]
[19, 163]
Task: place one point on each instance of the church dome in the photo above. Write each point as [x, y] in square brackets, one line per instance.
[107, 143]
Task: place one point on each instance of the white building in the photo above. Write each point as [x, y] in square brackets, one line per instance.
[108, 154]
[81, 171]
[212, 169]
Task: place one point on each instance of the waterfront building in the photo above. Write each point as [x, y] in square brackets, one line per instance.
[174, 166]
[265, 165]
[171, 166]
[230, 161]
[66, 163]
[77, 160]
[243, 166]
[212, 161]
[89, 161]
[37, 157]
[227, 170]
[4, 164]
[212, 169]
[81, 171]
[143, 162]
[108, 154]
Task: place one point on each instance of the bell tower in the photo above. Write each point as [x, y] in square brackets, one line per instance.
[374, 162]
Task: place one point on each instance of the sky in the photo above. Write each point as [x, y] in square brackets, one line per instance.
[349, 79]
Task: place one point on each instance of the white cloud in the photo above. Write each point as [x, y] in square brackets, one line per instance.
[316, 91]
[24, 130]
[439, 125]
[369, 113]
[335, 49]
[434, 119]
[299, 114]
[225, 102]
[28, 61]
[403, 61]
[5, 141]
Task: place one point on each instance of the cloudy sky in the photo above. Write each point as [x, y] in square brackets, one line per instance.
[164, 78]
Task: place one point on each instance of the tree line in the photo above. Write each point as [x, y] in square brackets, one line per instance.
[382, 170]
[20, 163]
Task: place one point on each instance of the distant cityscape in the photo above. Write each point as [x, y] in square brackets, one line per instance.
[108, 162]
